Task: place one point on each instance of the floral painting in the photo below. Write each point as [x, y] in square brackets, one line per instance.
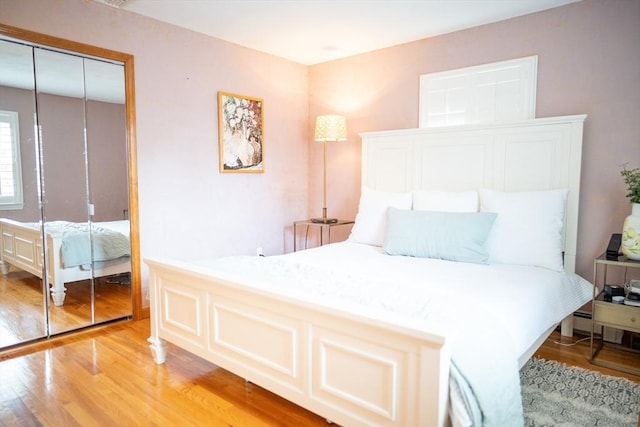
[241, 133]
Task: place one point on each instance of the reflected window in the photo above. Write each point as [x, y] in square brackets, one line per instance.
[10, 170]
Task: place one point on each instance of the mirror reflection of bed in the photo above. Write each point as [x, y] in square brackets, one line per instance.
[74, 171]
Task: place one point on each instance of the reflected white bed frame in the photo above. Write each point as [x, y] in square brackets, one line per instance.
[354, 370]
[21, 246]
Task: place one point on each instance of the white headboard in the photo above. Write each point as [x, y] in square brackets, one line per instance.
[538, 154]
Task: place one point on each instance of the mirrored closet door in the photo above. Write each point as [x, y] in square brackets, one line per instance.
[67, 249]
[23, 313]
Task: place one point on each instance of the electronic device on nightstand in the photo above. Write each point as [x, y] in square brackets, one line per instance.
[633, 295]
[613, 249]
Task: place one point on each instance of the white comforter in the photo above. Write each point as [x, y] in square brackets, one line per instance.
[496, 311]
[107, 244]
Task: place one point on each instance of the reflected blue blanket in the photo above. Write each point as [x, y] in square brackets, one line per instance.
[79, 246]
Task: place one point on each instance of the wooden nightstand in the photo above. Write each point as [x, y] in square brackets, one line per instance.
[619, 316]
[308, 223]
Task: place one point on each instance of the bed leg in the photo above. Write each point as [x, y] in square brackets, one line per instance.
[4, 268]
[566, 327]
[58, 295]
[158, 349]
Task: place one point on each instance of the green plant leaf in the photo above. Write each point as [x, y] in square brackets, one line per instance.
[632, 179]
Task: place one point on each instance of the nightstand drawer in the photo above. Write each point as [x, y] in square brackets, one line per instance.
[617, 315]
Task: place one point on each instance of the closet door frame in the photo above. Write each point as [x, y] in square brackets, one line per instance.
[139, 312]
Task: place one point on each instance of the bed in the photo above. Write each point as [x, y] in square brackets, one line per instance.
[383, 329]
[109, 248]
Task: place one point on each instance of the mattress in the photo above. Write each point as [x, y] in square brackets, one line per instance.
[526, 300]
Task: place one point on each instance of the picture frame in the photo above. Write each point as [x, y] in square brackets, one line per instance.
[240, 133]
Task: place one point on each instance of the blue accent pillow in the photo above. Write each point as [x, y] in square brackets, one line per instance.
[453, 236]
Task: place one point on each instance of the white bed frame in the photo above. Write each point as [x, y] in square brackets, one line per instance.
[354, 370]
[21, 246]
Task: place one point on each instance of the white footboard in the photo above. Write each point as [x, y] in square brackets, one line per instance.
[21, 246]
[349, 369]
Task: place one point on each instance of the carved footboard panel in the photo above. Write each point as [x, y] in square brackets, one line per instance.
[21, 246]
[349, 369]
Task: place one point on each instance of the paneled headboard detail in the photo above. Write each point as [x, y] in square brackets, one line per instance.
[538, 154]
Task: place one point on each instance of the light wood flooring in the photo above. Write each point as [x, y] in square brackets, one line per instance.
[22, 314]
[106, 377]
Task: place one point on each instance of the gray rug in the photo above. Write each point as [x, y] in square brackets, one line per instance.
[554, 394]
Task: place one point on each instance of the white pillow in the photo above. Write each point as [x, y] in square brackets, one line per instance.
[371, 220]
[445, 201]
[528, 229]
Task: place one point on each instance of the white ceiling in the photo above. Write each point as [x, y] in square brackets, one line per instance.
[314, 31]
[304, 31]
[59, 73]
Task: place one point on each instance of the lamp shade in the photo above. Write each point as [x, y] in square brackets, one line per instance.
[331, 127]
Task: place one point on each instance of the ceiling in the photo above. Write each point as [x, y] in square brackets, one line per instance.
[303, 31]
[59, 73]
[315, 31]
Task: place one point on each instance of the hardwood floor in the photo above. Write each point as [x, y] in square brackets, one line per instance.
[578, 355]
[106, 377]
[22, 316]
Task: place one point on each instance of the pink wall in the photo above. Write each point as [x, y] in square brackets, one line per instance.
[588, 62]
[63, 169]
[187, 208]
[108, 171]
[21, 101]
[62, 123]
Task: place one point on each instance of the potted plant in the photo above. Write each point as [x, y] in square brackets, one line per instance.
[631, 229]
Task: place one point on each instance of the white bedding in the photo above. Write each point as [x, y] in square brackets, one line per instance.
[121, 226]
[110, 242]
[498, 311]
[526, 300]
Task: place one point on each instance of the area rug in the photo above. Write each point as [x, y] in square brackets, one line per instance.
[554, 394]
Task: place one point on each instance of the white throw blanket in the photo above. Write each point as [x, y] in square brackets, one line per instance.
[81, 248]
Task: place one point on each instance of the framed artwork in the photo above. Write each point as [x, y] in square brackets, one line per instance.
[240, 133]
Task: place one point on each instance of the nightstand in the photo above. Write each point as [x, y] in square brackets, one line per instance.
[618, 316]
[324, 229]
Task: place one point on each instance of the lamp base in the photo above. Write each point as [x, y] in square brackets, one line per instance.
[324, 220]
